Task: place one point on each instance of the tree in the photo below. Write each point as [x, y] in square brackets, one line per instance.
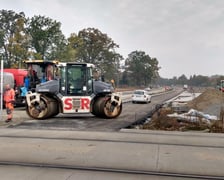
[182, 79]
[13, 40]
[142, 69]
[199, 80]
[93, 46]
[70, 50]
[47, 39]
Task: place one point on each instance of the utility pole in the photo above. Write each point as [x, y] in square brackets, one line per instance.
[1, 90]
[222, 105]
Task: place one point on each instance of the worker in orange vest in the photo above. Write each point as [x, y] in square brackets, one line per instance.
[112, 83]
[9, 99]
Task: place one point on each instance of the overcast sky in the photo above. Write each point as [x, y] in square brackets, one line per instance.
[186, 36]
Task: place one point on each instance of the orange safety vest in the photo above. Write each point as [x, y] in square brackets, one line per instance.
[9, 96]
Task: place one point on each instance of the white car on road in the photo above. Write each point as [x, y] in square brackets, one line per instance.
[141, 96]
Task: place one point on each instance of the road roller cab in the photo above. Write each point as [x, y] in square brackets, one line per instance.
[74, 89]
[39, 71]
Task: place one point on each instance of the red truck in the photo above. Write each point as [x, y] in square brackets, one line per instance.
[19, 76]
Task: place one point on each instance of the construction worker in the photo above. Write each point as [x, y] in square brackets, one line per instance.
[9, 99]
[112, 83]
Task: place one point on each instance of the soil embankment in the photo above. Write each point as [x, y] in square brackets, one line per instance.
[211, 102]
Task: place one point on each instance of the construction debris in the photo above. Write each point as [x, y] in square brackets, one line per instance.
[194, 116]
[206, 114]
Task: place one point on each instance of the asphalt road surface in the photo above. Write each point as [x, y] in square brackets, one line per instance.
[130, 114]
[130, 154]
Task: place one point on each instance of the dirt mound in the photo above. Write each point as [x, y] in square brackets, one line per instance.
[160, 121]
[207, 99]
[210, 101]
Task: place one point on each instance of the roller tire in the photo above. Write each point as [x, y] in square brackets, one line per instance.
[100, 109]
[50, 110]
